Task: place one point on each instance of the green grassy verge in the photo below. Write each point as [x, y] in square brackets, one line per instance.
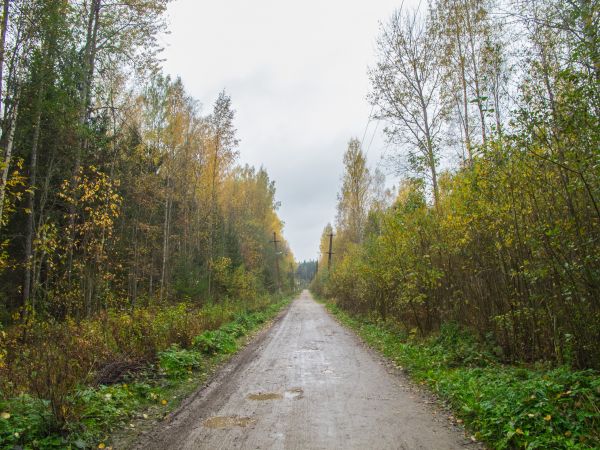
[27, 422]
[504, 406]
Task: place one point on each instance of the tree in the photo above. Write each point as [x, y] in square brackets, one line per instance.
[53, 31]
[354, 199]
[406, 90]
[472, 63]
[223, 143]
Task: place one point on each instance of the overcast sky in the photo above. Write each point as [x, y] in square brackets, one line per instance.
[297, 75]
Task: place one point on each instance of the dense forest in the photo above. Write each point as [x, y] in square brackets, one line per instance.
[118, 189]
[124, 213]
[306, 271]
[492, 118]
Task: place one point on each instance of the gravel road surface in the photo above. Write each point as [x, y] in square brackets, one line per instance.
[306, 383]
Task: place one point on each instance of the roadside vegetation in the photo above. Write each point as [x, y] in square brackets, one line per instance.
[479, 272]
[505, 406]
[79, 388]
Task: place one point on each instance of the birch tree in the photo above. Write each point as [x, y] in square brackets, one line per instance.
[406, 91]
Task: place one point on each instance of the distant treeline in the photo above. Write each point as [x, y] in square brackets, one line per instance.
[306, 271]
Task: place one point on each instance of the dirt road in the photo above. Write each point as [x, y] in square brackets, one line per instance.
[307, 383]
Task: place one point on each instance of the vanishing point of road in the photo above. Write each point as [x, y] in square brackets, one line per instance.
[306, 383]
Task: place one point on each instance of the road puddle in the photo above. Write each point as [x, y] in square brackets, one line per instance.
[228, 422]
[265, 396]
[294, 393]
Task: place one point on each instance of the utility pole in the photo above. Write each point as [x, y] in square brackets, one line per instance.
[316, 268]
[329, 253]
[275, 241]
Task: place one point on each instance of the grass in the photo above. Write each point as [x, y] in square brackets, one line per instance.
[506, 407]
[28, 422]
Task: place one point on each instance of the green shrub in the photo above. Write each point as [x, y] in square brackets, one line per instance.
[24, 419]
[213, 342]
[177, 362]
[525, 408]
[459, 347]
[251, 320]
[234, 329]
[244, 321]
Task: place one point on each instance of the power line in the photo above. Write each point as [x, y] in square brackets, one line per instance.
[372, 137]
[367, 125]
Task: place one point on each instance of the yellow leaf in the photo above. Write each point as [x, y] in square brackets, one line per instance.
[5, 415]
[164, 402]
[519, 431]
[547, 418]
[101, 445]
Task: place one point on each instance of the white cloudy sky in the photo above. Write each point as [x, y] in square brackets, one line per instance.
[296, 72]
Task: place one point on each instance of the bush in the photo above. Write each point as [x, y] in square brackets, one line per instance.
[460, 348]
[251, 320]
[23, 417]
[234, 329]
[50, 361]
[179, 363]
[213, 342]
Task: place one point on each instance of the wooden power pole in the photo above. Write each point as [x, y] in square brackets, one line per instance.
[329, 253]
[275, 241]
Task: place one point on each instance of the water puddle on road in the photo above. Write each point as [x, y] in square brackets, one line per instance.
[294, 393]
[228, 422]
[265, 396]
